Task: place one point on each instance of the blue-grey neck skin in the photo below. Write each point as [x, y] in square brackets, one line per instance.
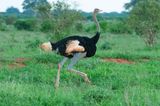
[96, 22]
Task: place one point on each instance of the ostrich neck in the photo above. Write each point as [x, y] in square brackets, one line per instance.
[96, 22]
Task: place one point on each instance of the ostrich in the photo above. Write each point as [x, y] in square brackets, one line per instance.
[74, 48]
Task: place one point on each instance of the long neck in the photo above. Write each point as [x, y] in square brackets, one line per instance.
[96, 22]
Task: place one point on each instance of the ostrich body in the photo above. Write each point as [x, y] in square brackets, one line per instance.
[74, 48]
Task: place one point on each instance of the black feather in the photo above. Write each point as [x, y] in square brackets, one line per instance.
[88, 43]
[96, 37]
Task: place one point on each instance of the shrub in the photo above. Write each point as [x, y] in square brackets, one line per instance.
[10, 20]
[3, 27]
[103, 25]
[79, 26]
[90, 27]
[47, 26]
[145, 19]
[119, 27]
[105, 46]
[28, 24]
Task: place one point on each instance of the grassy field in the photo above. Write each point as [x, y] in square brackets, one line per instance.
[27, 73]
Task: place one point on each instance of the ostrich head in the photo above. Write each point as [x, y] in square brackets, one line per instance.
[96, 10]
[46, 46]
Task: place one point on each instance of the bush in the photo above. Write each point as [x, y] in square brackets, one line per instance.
[90, 27]
[145, 20]
[79, 26]
[119, 27]
[10, 20]
[3, 27]
[47, 26]
[28, 24]
[103, 25]
[105, 46]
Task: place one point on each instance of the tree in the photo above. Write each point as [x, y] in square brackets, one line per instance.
[43, 10]
[131, 4]
[64, 17]
[144, 19]
[11, 15]
[29, 12]
[28, 6]
[32, 6]
[12, 10]
[57, 18]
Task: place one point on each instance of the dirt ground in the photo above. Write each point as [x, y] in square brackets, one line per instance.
[118, 60]
[18, 63]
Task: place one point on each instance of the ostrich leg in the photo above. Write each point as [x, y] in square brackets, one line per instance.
[56, 85]
[74, 60]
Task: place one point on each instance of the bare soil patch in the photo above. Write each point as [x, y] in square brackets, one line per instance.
[18, 63]
[21, 60]
[118, 60]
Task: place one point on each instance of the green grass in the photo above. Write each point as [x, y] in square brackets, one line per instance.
[113, 84]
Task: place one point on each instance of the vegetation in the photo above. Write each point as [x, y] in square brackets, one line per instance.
[124, 71]
[36, 7]
[29, 24]
[12, 10]
[64, 19]
[144, 19]
[27, 74]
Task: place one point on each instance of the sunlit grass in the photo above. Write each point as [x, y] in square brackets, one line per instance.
[113, 84]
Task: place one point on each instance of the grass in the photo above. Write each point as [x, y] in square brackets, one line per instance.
[113, 84]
